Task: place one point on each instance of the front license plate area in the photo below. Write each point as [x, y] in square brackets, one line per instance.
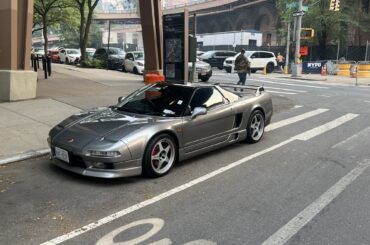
[61, 154]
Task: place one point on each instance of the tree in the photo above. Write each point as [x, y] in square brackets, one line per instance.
[47, 13]
[330, 26]
[86, 9]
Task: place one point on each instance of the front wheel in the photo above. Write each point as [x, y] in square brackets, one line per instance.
[160, 155]
[255, 127]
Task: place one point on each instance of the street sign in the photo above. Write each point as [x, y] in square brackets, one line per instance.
[298, 13]
[295, 5]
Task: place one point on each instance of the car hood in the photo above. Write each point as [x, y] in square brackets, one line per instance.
[74, 55]
[107, 124]
[116, 56]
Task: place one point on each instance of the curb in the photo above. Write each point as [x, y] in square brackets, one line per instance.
[24, 156]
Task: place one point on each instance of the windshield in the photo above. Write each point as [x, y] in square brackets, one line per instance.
[116, 51]
[158, 99]
[139, 56]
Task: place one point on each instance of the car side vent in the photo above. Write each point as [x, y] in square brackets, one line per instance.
[238, 120]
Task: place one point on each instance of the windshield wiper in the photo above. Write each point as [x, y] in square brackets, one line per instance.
[128, 109]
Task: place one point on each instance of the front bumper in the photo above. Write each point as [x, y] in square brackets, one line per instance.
[79, 166]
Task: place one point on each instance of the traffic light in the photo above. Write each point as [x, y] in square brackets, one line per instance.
[307, 33]
[334, 5]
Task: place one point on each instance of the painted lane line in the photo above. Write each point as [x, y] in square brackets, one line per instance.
[175, 190]
[279, 92]
[298, 222]
[290, 84]
[286, 89]
[295, 119]
[326, 127]
[297, 106]
[351, 141]
[367, 101]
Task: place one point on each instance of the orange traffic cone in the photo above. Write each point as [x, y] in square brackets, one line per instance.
[323, 70]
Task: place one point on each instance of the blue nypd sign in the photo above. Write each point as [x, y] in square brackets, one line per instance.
[312, 66]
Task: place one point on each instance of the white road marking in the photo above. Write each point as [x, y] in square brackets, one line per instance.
[286, 89]
[326, 127]
[295, 119]
[279, 92]
[297, 106]
[324, 95]
[298, 222]
[290, 84]
[367, 101]
[143, 204]
[351, 141]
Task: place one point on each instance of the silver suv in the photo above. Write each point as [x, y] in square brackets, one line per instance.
[259, 60]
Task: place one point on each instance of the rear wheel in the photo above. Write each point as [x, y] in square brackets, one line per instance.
[160, 155]
[255, 127]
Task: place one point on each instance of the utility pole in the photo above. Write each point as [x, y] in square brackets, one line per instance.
[299, 14]
[193, 75]
[367, 44]
[338, 49]
[287, 49]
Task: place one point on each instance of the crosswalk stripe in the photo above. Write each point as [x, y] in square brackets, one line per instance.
[295, 119]
[286, 89]
[290, 84]
[279, 92]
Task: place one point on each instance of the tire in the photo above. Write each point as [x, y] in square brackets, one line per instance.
[159, 156]
[270, 68]
[228, 70]
[136, 71]
[253, 70]
[124, 68]
[255, 127]
[67, 62]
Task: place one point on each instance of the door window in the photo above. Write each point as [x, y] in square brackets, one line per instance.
[206, 97]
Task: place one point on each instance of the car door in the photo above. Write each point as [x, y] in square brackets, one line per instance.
[254, 58]
[210, 129]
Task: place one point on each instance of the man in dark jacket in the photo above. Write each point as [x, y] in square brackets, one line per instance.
[241, 67]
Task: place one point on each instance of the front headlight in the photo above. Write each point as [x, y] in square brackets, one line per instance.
[140, 64]
[103, 153]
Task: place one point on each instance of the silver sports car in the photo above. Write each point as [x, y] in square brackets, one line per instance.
[157, 125]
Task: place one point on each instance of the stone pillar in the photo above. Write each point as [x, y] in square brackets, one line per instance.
[151, 23]
[17, 81]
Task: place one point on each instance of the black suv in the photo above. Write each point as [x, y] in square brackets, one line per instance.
[114, 59]
[216, 57]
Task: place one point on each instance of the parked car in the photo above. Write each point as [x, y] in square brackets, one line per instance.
[151, 129]
[216, 58]
[70, 56]
[259, 60]
[134, 62]
[54, 56]
[114, 59]
[39, 52]
[199, 53]
[203, 69]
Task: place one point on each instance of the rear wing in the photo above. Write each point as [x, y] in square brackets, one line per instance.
[241, 89]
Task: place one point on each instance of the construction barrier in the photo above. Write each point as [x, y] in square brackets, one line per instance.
[363, 69]
[344, 69]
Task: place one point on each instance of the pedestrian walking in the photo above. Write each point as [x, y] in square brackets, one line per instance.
[241, 66]
[280, 61]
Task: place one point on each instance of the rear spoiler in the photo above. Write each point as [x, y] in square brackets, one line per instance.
[256, 88]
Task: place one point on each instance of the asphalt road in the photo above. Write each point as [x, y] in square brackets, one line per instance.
[306, 182]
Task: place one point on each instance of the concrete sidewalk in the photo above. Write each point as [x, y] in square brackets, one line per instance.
[24, 125]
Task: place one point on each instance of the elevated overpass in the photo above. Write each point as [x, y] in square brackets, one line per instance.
[215, 16]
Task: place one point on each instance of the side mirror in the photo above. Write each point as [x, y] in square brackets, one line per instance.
[120, 99]
[198, 111]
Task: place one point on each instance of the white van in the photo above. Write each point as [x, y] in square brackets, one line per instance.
[258, 59]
